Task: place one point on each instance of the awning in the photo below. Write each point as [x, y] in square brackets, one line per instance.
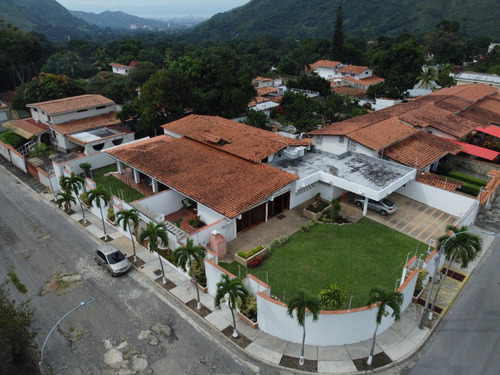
[491, 130]
[21, 132]
[478, 151]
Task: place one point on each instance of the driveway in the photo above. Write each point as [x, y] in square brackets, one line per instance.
[413, 218]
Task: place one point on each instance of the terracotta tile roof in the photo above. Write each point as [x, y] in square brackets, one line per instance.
[356, 69]
[382, 134]
[71, 104]
[261, 91]
[472, 92]
[132, 64]
[346, 90]
[222, 182]
[325, 64]
[489, 104]
[452, 104]
[438, 181]
[350, 125]
[86, 123]
[421, 149]
[26, 128]
[368, 81]
[480, 116]
[439, 118]
[242, 140]
[263, 79]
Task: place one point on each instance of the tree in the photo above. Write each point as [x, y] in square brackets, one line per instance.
[129, 218]
[235, 292]
[74, 183]
[384, 298]
[257, 119]
[461, 244]
[65, 198]
[112, 86]
[49, 86]
[141, 73]
[305, 305]
[426, 78]
[445, 78]
[446, 43]
[15, 335]
[338, 38]
[86, 168]
[101, 197]
[189, 255]
[20, 50]
[156, 234]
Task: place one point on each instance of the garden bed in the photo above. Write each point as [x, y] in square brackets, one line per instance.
[315, 210]
[244, 262]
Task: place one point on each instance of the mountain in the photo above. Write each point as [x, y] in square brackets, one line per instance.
[315, 18]
[116, 20]
[44, 16]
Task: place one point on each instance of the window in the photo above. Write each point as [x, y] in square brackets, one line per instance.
[34, 109]
[82, 110]
[117, 142]
[101, 107]
[341, 139]
[98, 147]
[351, 145]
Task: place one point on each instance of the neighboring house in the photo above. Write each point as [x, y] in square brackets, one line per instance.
[122, 69]
[269, 94]
[80, 123]
[6, 111]
[473, 77]
[359, 77]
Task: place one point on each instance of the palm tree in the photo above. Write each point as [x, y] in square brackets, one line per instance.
[156, 234]
[129, 217]
[305, 305]
[73, 183]
[384, 298]
[65, 199]
[426, 78]
[101, 197]
[235, 291]
[187, 255]
[461, 243]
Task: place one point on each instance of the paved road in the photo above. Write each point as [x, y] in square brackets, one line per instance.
[129, 327]
[468, 339]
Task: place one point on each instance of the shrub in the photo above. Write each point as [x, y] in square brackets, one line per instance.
[279, 241]
[332, 298]
[111, 214]
[196, 222]
[469, 190]
[334, 213]
[12, 139]
[84, 198]
[178, 222]
[250, 253]
[250, 309]
[422, 274]
[466, 178]
[254, 262]
[86, 168]
[308, 225]
[199, 270]
[168, 254]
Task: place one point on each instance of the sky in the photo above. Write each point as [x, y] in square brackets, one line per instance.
[155, 8]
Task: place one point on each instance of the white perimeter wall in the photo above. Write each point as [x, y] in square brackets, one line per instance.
[4, 150]
[18, 160]
[449, 202]
[164, 202]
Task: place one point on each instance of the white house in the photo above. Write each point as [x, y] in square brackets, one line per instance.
[122, 69]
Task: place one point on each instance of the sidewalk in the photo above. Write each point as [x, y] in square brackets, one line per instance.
[395, 345]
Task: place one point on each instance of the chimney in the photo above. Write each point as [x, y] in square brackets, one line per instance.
[274, 128]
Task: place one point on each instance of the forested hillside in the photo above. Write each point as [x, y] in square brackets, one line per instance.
[43, 16]
[315, 18]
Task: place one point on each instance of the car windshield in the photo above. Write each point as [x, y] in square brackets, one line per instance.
[115, 257]
[387, 202]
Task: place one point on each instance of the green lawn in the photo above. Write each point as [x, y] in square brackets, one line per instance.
[357, 257]
[114, 185]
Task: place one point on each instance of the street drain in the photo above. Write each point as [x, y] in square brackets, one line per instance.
[157, 272]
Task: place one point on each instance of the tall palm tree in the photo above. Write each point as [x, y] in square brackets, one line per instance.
[384, 298]
[156, 234]
[426, 78]
[305, 305]
[65, 198]
[235, 291]
[461, 243]
[191, 255]
[74, 183]
[130, 218]
[101, 197]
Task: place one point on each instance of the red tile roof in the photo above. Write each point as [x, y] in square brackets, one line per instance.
[216, 179]
[242, 140]
[86, 123]
[71, 104]
[26, 128]
[350, 125]
[382, 134]
[471, 92]
[353, 69]
[261, 91]
[346, 90]
[438, 181]
[325, 64]
[421, 149]
[368, 81]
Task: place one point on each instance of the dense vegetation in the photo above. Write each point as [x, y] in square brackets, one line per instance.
[315, 18]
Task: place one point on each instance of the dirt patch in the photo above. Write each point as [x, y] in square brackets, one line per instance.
[138, 264]
[293, 362]
[84, 223]
[203, 312]
[169, 285]
[379, 360]
[60, 283]
[241, 340]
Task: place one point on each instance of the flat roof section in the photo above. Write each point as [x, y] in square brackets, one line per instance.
[358, 173]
